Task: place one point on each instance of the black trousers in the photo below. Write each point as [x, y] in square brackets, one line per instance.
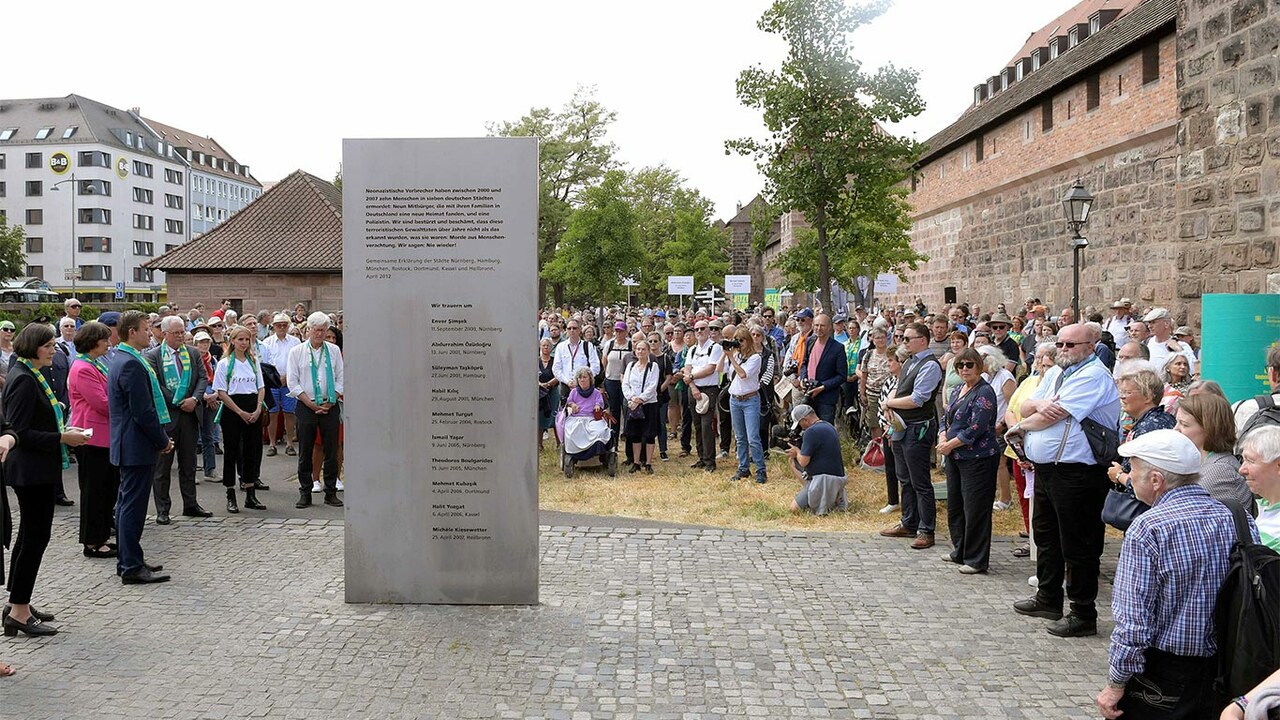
[36, 505]
[724, 422]
[686, 420]
[613, 396]
[706, 424]
[1069, 533]
[99, 484]
[242, 444]
[184, 431]
[311, 425]
[911, 463]
[971, 488]
[1171, 687]
[890, 474]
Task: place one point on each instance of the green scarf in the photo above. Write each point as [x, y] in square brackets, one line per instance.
[231, 367]
[57, 407]
[97, 363]
[177, 384]
[162, 409]
[332, 396]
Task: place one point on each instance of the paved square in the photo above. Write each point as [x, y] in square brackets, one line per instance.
[634, 623]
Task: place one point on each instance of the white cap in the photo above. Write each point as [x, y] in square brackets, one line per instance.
[281, 318]
[202, 335]
[1155, 314]
[798, 413]
[1167, 450]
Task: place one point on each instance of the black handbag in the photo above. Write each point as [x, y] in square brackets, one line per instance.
[1103, 441]
[270, 376]
[1122, 507]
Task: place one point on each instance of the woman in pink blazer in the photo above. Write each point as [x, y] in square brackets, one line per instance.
[99, 479]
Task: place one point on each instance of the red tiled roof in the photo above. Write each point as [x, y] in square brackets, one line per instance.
[1067, 20]
[294, 226]
[196, 143]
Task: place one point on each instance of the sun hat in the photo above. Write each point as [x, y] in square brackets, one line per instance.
[202, 336]
[280, 318]
[703, 404]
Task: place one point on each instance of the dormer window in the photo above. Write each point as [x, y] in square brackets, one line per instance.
[1095, 23]
[1018, 71]
[7, 134]
[1073, 38]
[1004, 79]
[66, 134]
[43, 133]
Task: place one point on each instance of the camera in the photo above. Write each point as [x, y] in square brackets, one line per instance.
[730, 344]
[783, 437]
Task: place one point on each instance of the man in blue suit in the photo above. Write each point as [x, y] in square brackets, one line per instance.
[138, 415]
[824, 369]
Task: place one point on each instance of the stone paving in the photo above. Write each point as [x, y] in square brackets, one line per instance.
[633, 623]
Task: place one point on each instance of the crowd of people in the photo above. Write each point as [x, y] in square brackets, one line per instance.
[1020, 408]
[126, 395]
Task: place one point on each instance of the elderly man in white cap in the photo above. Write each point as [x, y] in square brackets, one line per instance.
[1162, 344]
[1118, 323]
[275, 352]
[1172, 564]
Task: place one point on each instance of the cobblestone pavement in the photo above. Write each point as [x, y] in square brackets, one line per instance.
[634, 623]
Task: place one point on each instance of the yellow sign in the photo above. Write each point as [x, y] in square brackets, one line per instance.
[122, 167]
[59, 163]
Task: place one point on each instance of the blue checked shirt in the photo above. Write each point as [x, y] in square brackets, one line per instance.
[1172, 565]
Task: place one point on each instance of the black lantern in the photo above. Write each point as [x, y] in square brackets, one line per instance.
[1076, 204]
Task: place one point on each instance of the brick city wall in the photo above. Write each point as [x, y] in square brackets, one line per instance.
[256, 291]
[1228, 201]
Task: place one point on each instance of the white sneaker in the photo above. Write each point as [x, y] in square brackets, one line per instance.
[1001, 505]
[340, 486]
[316, 487]
[889, 508]
[1033, 582]
[723, 454]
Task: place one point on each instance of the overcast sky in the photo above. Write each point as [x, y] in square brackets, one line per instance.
[280, 85]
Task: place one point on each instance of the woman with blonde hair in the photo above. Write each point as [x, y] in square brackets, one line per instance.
[744, 404]
[238, 382]
[640, 381]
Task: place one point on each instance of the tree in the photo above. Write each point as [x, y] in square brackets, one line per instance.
[572, 156]
[696, 248]
[827, 155]
[601, 245]
[670, 216]
[337, 178]
[13, 258]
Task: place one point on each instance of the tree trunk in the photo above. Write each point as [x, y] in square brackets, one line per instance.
[557, 291]
[824, 267]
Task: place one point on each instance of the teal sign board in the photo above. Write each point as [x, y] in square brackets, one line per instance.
[1238, 329]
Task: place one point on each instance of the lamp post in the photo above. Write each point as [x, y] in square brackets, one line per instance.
[75, 269]
[1076, 204]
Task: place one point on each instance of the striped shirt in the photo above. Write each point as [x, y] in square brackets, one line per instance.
[1172, 564]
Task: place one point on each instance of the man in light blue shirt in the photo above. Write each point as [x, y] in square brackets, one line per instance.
[1070, 484]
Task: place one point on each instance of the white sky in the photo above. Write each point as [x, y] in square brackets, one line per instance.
[279, 84]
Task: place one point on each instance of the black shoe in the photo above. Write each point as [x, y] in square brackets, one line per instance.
[1033, 607]
[634, 468]
[231, 501]
[251, 500]
[304, 499]
[163, 519]
[142, 577]
[196, 511]
[42, 616]
[1074, 626]
[63, 501]
[648, 469]
[33, 626]
[697, 465]
[217, 449]
[153, 568]
[96, 553]
[709, 467]
[761, 480]
[663, 456]
[259, 485]
[331, 498]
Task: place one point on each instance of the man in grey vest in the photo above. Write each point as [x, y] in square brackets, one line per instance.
[914, 400]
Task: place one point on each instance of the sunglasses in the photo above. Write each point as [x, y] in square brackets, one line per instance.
[966, 364]
[1068, 345]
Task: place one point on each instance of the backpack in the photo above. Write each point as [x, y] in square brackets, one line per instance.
[1247, 616]
[1268, 414]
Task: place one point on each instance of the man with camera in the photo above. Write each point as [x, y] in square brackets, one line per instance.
[814, 449]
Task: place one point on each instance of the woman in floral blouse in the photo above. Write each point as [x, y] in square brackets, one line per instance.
[970, 444]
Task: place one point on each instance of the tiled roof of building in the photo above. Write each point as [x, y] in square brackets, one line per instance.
[93, 122]
[294, 226]
[1122, 36]
[207, 145]
[1061, 25]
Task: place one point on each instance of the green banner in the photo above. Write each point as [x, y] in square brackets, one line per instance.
[1238, 330]
[741, 301]
[772, 297]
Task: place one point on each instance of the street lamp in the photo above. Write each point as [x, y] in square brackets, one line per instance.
[75, 269]
[1076, 204]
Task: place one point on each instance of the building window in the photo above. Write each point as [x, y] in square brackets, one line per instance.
[1035, 61]
[1092, 92]
[1119, 85]
[142, 247]
[2, 163]
[35, 244]
[173, 176]
[1018, 70]
[222, 214]
[978, 146]
[2, 189]
[143, 222]
[35, 161]
[143, 275]
[35, 271]
[97, 216]
[1073, 37]
[95, 272]
[173, 226]
[94, 158]
[35, 217]
[35, 188]
[1068, 109]
[142, 169]
[1046, 115]
[173, 201]
[197, 210]
[1095, 23]
[7, 134]
[69, 132]
[1150, 63]
[170, 248]
[95, 244]
[94, 187]
[143, 195]
[43, 133]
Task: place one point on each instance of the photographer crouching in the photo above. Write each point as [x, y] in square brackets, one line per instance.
[814, 449]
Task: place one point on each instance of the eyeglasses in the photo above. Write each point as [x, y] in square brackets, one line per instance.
[909, 338]
[74, 307]
[965, 364]
[1068, 345]
[897, 336]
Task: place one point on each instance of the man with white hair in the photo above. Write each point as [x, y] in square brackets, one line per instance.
[72, 307]
[275, 352]
[315, 381]
[67, 336]
[1162, 344]
[180, 370]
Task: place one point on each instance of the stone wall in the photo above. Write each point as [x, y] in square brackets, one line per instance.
[256, 291]
[1228, 201]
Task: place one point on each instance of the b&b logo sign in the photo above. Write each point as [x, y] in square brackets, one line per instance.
[59, 163]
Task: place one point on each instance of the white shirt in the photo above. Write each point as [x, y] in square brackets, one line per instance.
[1160, 354]
[302, 359]
[615, 357]
[750, 383]
[568, 358]
[636, 382]
[1116, 326]
[275, 351]
[246, 377]
[704, 354]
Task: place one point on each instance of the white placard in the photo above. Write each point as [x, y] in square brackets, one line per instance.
[886, 283]
[679, 284]
[737, 284]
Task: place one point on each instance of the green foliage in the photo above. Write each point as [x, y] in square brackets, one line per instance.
[695, 248]
[601, 244]
[827, 155]
[337, 178]
[674, 223]
[13, 258]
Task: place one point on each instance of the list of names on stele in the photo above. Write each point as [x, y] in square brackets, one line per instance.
[446, 252]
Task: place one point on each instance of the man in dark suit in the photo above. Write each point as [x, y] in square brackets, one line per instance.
[824, 368]
[182, 382]
[136, 405]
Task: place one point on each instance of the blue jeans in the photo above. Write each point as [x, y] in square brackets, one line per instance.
[207, 438]
[131, 515]
[745, 416]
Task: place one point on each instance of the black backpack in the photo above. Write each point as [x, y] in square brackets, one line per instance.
[1247, 616]
[1268, 414]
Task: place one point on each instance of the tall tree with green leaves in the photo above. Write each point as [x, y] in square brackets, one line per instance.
[601, 244]
[696, 248]
[827, 154]
[13, 257]
[573, 155]
[675, 227]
